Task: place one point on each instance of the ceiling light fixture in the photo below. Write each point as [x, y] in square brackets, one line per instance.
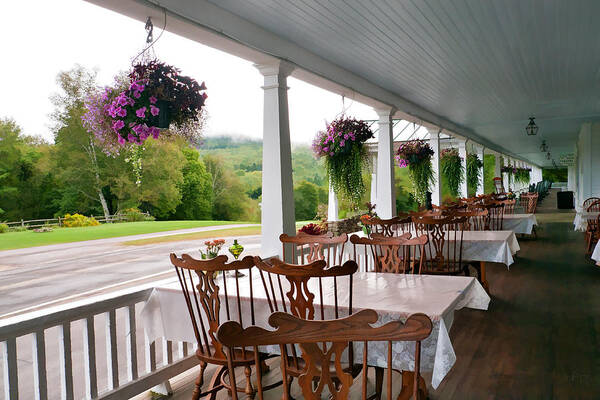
[548, 155]
[544, 147]
[531, 128]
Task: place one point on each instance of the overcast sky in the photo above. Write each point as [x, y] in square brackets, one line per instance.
[41, 38]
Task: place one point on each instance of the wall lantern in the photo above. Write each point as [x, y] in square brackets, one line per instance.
[531, 128]
[544, 146]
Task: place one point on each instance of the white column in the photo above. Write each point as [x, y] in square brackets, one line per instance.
[436, 189]
[497, 166]
[374, 179]
[462, 153]
[571, 177]
[386, 191]
[277, 208]
[332, 205]
[480, 151]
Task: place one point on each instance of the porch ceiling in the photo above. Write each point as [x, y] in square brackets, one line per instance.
[484, 65]
[477, 68]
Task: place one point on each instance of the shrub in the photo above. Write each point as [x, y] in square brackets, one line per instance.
[17, 228]
[78, 220]
[3, 228]
[135, 215]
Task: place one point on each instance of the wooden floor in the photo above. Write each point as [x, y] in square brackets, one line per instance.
[540, 338]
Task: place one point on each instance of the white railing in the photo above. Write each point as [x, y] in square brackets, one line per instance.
[80, 321]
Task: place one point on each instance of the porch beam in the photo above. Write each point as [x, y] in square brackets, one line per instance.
[277, 208]
[386, 191]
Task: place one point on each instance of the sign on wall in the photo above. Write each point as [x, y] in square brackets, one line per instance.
[567, 159]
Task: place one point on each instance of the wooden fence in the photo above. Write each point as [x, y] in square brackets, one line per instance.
[38, 223]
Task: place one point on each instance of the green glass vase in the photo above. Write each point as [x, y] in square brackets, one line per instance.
[236, 249]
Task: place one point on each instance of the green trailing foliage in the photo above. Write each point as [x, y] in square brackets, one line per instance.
[452, 169]
[474, 171]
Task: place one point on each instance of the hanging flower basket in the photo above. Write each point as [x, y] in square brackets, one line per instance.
[474, 166]
[416, 156]
[452, 169]
[341, 145]
[155, 100]
[522, 175]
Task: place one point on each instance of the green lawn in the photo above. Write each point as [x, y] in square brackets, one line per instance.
[18, 240]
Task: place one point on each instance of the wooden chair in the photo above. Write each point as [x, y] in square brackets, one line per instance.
[592, 231]
[443, 252]
[399, 255]
[477, 219]
[299, 298]
[203, 300]
[323, 342]
[388, 227]
[589, 201]
[528, 202]
[509, 206]
[308, 248]
[495, 220]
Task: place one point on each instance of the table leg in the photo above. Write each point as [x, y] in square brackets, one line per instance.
[408, 378]
[484, 281]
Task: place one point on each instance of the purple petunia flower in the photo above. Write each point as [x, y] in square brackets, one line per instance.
[121, 140]
[121, 112]
[118, 125]
[342, 143]
[137, 94]
[152, 100]
[141, 112]
[154, 131]
[154, 110]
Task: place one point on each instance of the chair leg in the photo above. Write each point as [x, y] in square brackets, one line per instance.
[250, 392]
[199, 381]
[379, 382]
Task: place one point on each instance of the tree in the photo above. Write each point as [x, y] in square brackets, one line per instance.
[306, 200]
[230, 200]
[78, 156]
[196, 189]
[10, 156]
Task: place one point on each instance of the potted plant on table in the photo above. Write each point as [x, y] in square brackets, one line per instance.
[212, 249]
[416, 156]
[341, 145]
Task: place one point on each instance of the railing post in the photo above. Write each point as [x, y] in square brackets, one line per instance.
[11, 376]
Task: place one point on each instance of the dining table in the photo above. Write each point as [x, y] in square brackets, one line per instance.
[596, 254]
[519, 223]
[581, 218]
[478, 247]
[392, 296]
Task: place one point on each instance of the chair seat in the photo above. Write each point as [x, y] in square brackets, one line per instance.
[241, 358]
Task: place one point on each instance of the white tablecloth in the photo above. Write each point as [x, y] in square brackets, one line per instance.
[581, 217]
[487, 246]
[596, 253]
[519, 223]
[392, 296]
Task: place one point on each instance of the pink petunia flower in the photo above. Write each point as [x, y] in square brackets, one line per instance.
[121, 140]
[141, 112]
[121, 112]
[118, 125]
[152, 100]
[154, 110]
[137, 94]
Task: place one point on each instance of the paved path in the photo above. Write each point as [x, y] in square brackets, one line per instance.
[36, 276]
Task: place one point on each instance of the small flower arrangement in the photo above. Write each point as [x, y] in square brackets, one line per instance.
[341, 146]
[366, 218]
[416, 156]
[155, 96]
[311, 229]
[212, 248]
